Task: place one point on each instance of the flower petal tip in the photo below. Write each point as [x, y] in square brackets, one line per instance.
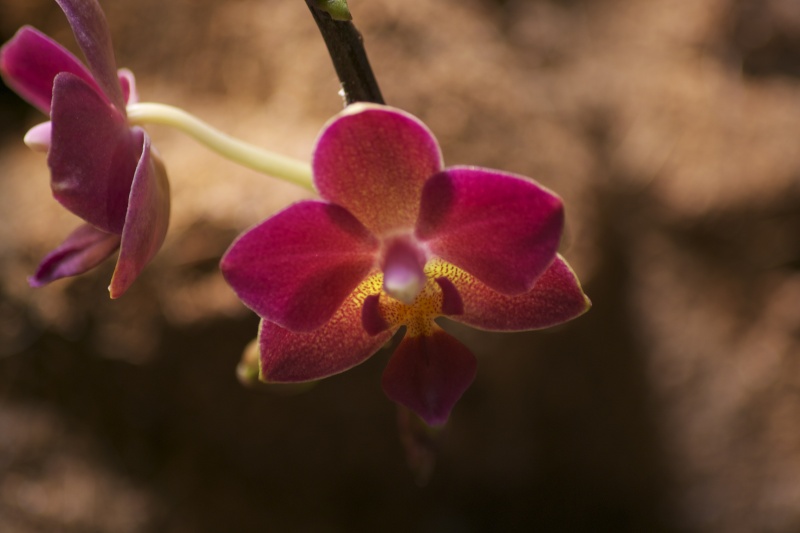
[248, 371]
[38, 137]
[35, 282]
[587, 304]
[82, 250]
[114, 292]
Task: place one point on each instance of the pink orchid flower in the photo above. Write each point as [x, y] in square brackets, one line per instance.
[102, 169]
[399, 241]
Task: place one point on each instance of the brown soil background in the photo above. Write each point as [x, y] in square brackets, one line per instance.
[671, 128]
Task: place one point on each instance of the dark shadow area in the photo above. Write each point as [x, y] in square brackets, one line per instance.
[766, 36]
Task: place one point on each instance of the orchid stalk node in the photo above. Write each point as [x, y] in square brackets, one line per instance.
[337, 9]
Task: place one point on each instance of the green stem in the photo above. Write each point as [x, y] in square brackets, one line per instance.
[251, 156]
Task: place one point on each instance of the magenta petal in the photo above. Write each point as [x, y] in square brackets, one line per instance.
[337, 345]
[82, 250]
[503, 229]
[555, 298]
[146, 220]
[29, 63]
[93, 154]
[91, 31]
[374, 160]
[297, 267]
[428, 374]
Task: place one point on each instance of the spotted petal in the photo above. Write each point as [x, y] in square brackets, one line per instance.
[93, 155]
[29, 63]
[502, 229]
[146, 219]
[297, 267]
[82, 250]
[556, 297]
[337, 345]
[374, 160]
[428, 374]
[91, 31]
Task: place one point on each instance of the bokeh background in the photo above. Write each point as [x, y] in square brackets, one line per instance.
[671, 128]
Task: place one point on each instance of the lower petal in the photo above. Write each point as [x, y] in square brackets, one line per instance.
[146, 220]
[556, 297]
[82, 250]
[339, 344]
[428, 374]
[291, 357]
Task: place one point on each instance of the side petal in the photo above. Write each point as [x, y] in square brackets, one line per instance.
[339, 344]
[93, 154]
[82, 250]
[502, 229]
[297, 267]
[428, 374]
[556, 297]
[145, 222]
[91, 31]
[374, 160]
[29, 63]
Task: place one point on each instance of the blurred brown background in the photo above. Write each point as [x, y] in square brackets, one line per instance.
[670, 127]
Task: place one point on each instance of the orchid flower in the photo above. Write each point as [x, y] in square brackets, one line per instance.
[398, 240]
[102, 169]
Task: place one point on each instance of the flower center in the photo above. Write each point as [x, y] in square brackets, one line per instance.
[438, 296]
[418, 315]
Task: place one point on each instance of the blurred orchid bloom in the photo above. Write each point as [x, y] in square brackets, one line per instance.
[399, 241]
[102, 169]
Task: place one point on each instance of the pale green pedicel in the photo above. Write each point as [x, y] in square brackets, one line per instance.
[246, 154]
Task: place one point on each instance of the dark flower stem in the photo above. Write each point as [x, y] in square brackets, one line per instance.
[346, 48]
